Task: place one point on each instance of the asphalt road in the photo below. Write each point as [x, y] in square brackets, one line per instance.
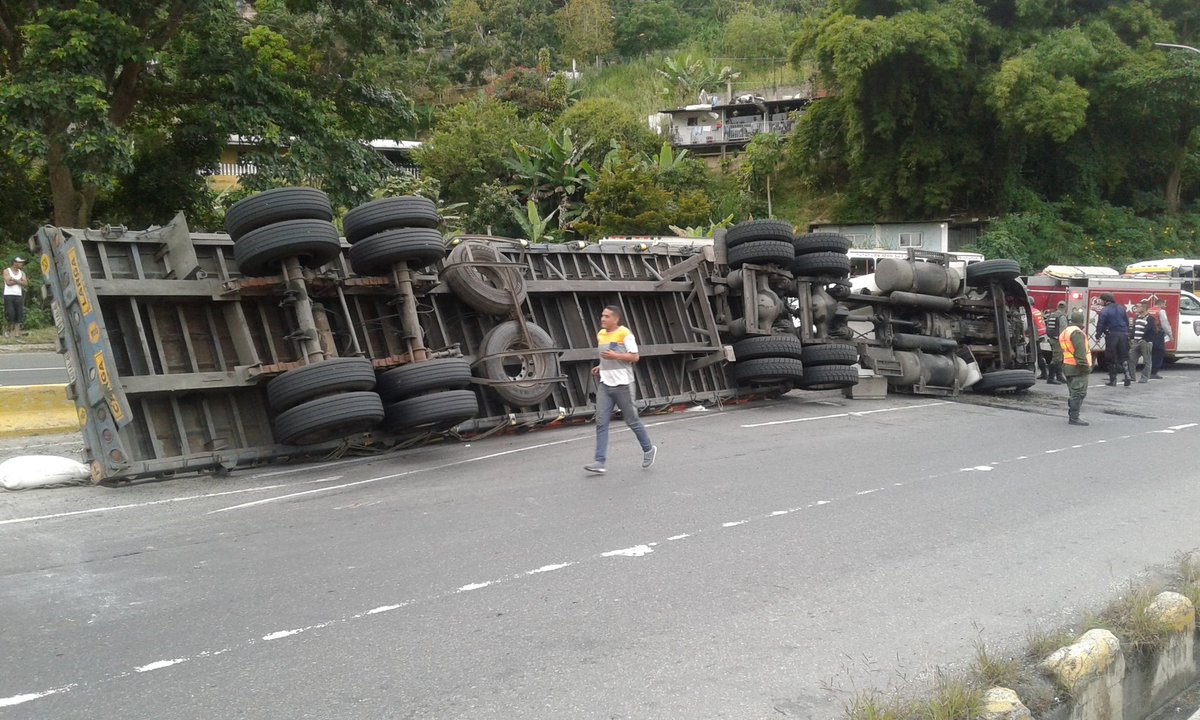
[31, 368]
[777, 558]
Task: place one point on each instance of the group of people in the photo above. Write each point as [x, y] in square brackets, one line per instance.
[1125, 345]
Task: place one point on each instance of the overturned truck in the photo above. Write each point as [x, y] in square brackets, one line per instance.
[286, 338]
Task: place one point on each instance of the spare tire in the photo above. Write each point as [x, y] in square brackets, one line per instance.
[313, 242]
[319, 379]
[770, 346]
[828, 377]
[526, 378]
[1005, 380]
[328, 418]
[441, 410]
[272, 206]
[406, 211]
[418, 247]
[761, 252]
[829, 354]
[488, 289]
[821, 242]
[759, 230]
[768, 371]
[821, 264]
[421, 377]
[1000, 269]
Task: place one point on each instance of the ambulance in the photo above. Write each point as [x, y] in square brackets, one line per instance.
[1082, 286]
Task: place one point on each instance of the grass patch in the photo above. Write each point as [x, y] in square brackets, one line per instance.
[874, 706]
[40, 336]
[954, 700]
[1189, 578]
[1041, 644]
[1127, 619]
[994, 671]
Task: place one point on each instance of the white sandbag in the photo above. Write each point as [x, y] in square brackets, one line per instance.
[37, 471]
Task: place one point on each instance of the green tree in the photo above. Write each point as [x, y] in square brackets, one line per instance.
[757, 33]
[603, 123]
[585, 29]
[472, 144]
[99, 90]
[650, 26]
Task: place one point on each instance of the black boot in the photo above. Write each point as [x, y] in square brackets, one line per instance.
[1112, 381]
[1042, 376]
[1052, 381]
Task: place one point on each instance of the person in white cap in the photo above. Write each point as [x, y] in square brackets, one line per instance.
[15, 282]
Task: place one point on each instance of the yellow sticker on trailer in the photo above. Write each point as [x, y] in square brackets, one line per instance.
[77, 278]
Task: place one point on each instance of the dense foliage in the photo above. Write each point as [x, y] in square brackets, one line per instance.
[1061, 123]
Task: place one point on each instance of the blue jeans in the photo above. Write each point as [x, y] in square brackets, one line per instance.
[621, 396]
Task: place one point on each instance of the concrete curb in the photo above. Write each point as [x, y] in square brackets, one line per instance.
[1101, 683]
[36, 410]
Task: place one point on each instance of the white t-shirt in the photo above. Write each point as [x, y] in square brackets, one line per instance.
[616, 372]
[13, 289]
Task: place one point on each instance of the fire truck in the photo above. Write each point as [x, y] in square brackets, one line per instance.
[1082, 286]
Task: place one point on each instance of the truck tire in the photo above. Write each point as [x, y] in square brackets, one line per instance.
[771, 346]
[442, 410]
[758, 230]
[821, 264]
[535, 369]
[418, 247]
[768, 371]
[828, 377]
[761, 252]
[327, 418]
[419, 378]
[309, 382]
[981, 272]
[821, 242]
[829, 354]
[272, 206]
[406, 211]
[489, 290]
[1005, 380]
[314, 242]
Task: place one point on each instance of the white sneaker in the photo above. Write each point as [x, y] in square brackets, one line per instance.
[649, 455]
[597, 468]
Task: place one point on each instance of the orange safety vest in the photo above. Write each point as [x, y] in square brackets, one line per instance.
[1068, 348]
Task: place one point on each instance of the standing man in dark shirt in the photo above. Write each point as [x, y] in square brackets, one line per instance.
[1056, 322]
[1113, 327]
[1144, 329]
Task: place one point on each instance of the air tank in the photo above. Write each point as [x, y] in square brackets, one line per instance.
[918, 277]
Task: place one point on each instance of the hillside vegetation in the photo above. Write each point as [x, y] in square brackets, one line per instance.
[1062, 124]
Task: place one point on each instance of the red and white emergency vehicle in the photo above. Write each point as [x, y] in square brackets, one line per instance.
[1081, 286]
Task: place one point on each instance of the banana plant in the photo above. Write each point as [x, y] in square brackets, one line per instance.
[533, 224]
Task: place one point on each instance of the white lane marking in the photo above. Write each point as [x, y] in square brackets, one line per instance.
[680, 536]
[159, 665]
[282, 634]
[384, 608]
[735, 523]
[635, 551]
[292, 495]
[822, 502]
[857, 413]
[27, 697]
[31, 369]
[107, 508]
[549, 568]
[474, 586]
[1184, 427]
[780, 512]
[868, 492]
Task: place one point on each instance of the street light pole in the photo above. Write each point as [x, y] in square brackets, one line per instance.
[1181, 47]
